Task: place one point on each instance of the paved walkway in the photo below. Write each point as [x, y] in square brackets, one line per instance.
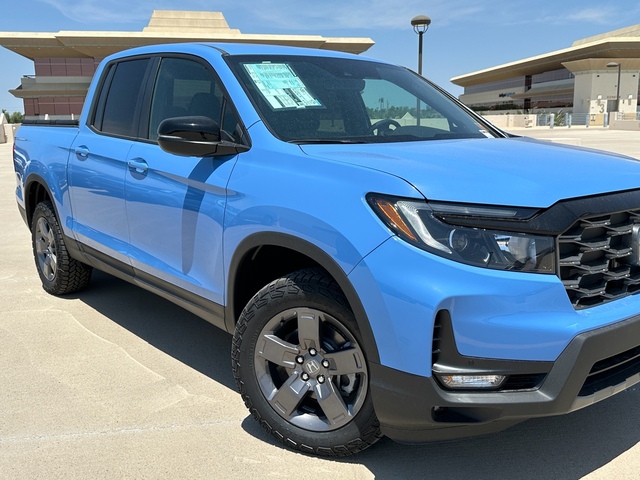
[618, 141]
[118, 383]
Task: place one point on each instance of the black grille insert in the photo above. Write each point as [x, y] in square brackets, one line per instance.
[611, 371]
[437, 336]
[523, 382]
[598, 258]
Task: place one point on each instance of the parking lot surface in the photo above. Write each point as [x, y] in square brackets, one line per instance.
[618, 141]
[115, 382]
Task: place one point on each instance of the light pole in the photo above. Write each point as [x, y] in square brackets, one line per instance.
[612, 65]
[420, 25]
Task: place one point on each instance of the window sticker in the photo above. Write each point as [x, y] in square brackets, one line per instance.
[280, 86]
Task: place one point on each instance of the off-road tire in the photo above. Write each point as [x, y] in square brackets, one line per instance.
[60, 274]
[334, 415]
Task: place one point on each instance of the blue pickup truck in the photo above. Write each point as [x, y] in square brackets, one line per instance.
[387, 262]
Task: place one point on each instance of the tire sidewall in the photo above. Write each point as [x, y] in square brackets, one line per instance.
[70, 275]
[44, 210]
[254, 318]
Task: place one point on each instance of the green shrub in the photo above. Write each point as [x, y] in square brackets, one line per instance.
[15, 117]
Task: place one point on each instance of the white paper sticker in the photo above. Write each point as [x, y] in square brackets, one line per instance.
[280, 86]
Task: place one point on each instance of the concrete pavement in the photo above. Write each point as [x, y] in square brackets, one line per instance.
[618, 141]
[115, 382]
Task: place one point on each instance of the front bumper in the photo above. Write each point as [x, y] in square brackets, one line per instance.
[595, 365]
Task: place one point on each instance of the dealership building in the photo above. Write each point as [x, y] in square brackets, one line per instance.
[66, 61]
[594, 76]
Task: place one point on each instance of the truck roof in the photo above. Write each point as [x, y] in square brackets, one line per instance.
[236, 49]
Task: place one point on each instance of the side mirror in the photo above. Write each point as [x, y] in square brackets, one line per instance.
[195, 136]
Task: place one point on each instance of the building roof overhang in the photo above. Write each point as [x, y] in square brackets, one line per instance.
[616, 47]
[35, 87]
[165, 26]
[51, 90]
[68, 44]
[100, 44]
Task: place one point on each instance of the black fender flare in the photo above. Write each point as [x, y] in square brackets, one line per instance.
[320, 257]
[29, 208]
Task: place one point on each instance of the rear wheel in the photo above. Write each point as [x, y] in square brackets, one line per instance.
[59, 273]
[301, 368]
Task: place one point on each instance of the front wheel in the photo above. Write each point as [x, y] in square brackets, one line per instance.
[301, 368]
[60, 274]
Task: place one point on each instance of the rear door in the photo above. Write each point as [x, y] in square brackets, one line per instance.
[98, 160]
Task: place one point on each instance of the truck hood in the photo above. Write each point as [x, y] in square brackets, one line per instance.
[501, 171]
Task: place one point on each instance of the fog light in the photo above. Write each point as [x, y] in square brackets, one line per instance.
[472, 381]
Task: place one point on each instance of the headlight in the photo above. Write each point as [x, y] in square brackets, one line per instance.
[417, 223]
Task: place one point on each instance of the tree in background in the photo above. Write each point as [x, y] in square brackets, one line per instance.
[15, 117]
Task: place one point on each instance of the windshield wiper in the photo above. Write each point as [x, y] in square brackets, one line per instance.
[456, 135]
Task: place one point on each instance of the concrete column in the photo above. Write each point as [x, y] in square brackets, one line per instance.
[3, 122]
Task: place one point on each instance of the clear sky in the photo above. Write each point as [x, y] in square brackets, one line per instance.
[465, 35]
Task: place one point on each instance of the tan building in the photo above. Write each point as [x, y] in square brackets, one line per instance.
[582, 78]
[66, 61]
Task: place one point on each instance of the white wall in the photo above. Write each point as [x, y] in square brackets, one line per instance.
[506, 121]
[595, 91]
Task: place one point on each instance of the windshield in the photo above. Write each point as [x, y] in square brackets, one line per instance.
[335, 100]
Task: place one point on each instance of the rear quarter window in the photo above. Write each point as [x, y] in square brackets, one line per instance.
[119, 98]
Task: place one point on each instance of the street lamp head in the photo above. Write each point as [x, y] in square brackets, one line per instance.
[420, 23]
[613, 64]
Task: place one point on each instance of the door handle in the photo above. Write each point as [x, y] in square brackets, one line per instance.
[82, 152]
[138, 165]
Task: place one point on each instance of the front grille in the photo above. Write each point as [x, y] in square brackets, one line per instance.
[612, 371]
[435, 344]
[523, 382]
[597, 258]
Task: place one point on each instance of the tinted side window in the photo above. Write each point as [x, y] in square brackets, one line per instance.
[117, 114]
[187, 88]
[183, 87]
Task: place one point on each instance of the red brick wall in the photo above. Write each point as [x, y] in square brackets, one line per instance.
[53, 106]
[65, 67]
[60, 67]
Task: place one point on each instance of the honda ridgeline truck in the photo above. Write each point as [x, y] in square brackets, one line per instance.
[388, 262]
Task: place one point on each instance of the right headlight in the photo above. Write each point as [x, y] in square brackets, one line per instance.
[417, 223]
